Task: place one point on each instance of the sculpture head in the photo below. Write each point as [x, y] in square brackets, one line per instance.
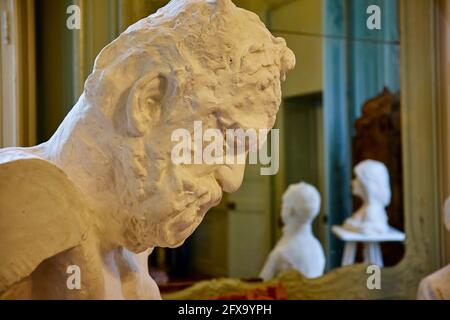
[193, 60]
[301, 204]
[372, 182]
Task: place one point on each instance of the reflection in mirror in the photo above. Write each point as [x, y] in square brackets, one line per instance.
[298, 248]
[339, 121]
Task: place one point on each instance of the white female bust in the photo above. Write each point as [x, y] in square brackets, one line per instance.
[298, 248]
[437, 285]
[372, 186]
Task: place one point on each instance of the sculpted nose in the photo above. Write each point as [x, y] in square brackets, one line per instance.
[287, 61]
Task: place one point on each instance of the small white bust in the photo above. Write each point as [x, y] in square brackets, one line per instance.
[104, 190]
[298, 248]
[437, 285]
[372, 186]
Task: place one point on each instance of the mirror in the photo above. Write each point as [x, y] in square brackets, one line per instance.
[341, 107]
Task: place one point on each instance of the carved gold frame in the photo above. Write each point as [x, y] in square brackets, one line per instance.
[423, 166]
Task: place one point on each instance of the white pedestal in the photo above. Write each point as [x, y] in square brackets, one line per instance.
[372, 249]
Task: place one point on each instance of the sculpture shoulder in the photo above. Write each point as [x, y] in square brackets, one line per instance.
[42, 213]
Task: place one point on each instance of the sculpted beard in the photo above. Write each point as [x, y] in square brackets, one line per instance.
[168, 203]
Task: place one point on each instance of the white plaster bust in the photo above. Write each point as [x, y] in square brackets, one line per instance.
[373, 187]
[103, 190]
[437, 285]
[298, 248]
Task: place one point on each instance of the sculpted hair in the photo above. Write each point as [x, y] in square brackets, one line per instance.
[375, 178]
[204, 45]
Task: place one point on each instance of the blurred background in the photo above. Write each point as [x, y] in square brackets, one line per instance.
[340, 106]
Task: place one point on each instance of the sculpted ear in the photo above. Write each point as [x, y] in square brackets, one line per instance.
[144, 104]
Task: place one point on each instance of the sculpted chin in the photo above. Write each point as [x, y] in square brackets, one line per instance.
[103, 191]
